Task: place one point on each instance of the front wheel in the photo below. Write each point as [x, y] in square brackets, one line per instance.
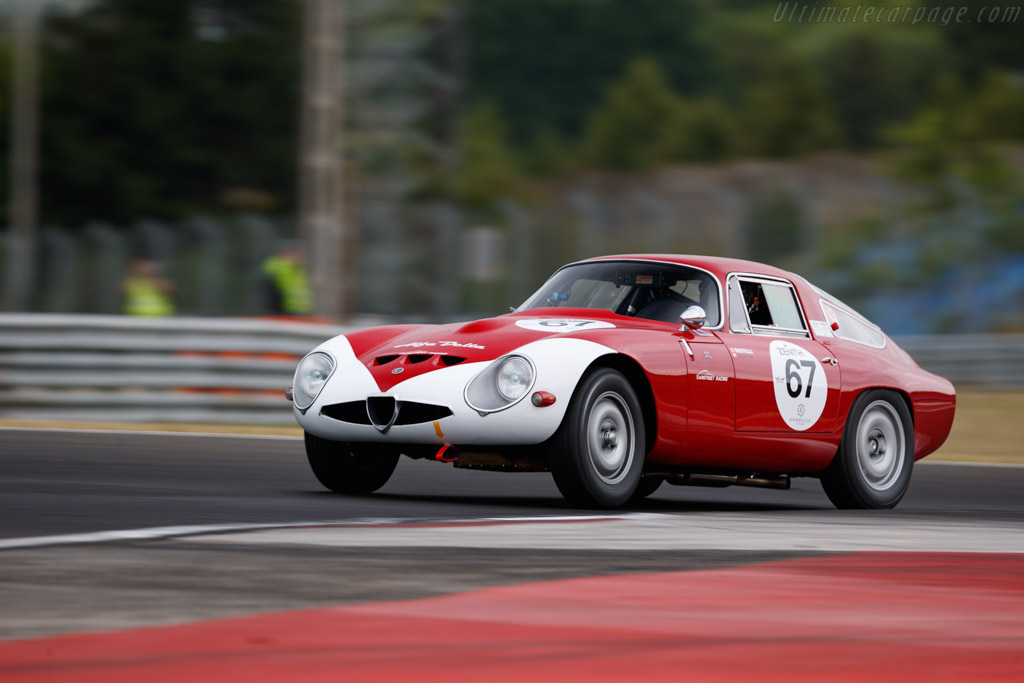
[876, 454]
[646, 487]
[597, 455]
[349, 468]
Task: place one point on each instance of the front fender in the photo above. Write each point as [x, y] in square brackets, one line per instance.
[560, 363]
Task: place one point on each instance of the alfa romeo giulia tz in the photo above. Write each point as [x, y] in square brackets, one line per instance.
[624, 372]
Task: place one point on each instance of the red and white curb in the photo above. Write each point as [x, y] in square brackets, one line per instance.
[866, 616]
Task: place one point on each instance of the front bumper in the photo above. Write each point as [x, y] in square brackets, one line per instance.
[432, 409]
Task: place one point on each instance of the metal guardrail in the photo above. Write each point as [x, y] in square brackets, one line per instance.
[118, 369]
[113, 368]
[971, 360]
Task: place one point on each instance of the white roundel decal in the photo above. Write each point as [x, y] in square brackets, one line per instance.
[801, 386]
[561, 325]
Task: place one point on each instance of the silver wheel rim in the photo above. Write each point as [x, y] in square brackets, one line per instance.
[881, 445]
[610, 437]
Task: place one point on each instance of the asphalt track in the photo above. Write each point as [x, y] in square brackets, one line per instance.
[132, 556]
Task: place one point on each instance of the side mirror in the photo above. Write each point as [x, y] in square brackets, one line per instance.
[693, 318]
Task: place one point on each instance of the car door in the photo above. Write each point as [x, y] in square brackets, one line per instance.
[711, 390]
[785, 380]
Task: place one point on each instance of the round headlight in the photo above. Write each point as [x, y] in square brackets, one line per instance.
[515, 376]
[310, 377]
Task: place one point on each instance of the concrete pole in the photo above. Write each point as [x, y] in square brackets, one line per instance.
[321, 210]
[24, 160]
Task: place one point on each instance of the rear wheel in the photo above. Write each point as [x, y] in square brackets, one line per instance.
[597, 455]
[349, 468]
[876, 454]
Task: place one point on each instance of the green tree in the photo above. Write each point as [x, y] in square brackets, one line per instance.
[987, 38]
[549, 62]
[706, 131]
[997, 108]
[789, 113]
[488, 169]
[547, 153]
[637, 125]
[949, 141]
[5, 122]
[166, 107]
[865, 88]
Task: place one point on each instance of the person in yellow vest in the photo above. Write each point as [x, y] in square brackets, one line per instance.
[146, 293]
[287, 283]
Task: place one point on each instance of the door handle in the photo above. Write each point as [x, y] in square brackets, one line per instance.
[830, 359]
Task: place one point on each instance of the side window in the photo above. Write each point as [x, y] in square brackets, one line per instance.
[699, 290]
[757, 307]
[737, 309]
[851, 328]
[771, 307]
[784, 309]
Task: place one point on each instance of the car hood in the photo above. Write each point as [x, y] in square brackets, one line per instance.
[397, 354]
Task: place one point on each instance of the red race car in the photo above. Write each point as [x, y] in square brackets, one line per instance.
[623, 372]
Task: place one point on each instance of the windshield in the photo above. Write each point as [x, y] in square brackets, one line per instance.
[652, 291]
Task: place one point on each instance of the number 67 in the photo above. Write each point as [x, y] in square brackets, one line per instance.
[793, 374]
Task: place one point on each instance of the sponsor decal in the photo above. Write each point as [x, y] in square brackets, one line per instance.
[398, 371]
[800, 383]
[420, 345]
[708, 376]
[737, 351]
[562, 325]
[821, 328]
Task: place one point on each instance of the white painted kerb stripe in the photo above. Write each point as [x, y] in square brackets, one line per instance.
[703, 531]
[161, 532]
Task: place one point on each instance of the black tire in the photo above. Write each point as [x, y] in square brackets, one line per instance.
[597, 455]
[646, 487]
[876, 455]
[349, 468]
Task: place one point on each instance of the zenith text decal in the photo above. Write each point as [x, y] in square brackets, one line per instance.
[801, 386]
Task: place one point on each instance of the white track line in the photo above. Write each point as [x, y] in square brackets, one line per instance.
[164, 532]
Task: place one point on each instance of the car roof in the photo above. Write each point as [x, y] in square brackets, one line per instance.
[717, 265]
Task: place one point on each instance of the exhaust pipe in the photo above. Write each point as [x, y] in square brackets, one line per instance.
[781, 482]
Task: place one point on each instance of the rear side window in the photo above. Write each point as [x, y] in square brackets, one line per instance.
[764, 306]
[850, 327]
[782, 304]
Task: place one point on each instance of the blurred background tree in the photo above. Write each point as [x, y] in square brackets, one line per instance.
[163, 108]
[489, 170]
[636, 126]
[563, 118]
